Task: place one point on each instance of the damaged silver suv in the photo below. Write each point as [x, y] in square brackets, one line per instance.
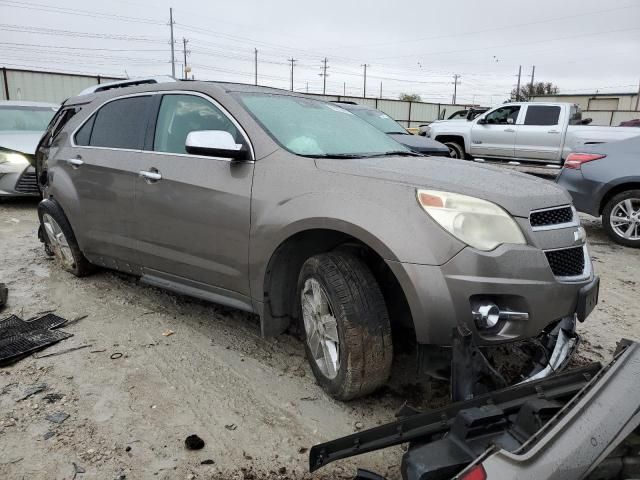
[299, 211]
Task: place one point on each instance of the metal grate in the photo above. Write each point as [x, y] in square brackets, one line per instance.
[553, 216]
[569, 262]
[28, 183]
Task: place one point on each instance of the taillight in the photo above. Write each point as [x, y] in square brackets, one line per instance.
[476, 473]
[575, 160]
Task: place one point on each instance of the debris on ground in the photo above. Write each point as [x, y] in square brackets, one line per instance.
[207, 462]
[77, 469]
[168, 333]
[32, 390]
[52, 397]
[48, 435]
[231, 426]
[62, 352]
[19, 338]
[194, 442]
[57, 417]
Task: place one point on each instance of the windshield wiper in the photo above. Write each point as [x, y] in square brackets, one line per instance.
[397, 153]
[336, 155]
[397, 133]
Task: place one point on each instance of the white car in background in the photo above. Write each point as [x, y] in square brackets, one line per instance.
[21, 126]
[524, 131]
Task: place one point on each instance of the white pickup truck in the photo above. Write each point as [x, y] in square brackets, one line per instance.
[524, 131]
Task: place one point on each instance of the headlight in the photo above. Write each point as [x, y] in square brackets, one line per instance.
[478, 223]
[427, 131]
[13, 158]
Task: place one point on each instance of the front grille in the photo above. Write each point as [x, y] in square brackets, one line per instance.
[568, 262]
[553, 216]
[28, 183]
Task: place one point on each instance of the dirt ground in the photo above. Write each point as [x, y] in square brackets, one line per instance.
[253, 401]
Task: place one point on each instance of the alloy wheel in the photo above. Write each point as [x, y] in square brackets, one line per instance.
[625, 219]
[321, 328]
[58, 241]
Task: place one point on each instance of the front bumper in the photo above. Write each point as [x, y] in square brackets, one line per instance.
[18, 181]
[514, 277]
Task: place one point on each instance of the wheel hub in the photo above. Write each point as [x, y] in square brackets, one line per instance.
[625, 219]
[321, 328]
[58, 241]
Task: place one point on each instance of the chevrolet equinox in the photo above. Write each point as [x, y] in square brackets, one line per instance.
[299, 211]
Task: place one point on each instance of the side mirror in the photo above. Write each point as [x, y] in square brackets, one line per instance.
[215, 143]
[482, 121]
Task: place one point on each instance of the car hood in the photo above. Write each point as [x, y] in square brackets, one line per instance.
[516, 192]
[23, 142]
[420, 144]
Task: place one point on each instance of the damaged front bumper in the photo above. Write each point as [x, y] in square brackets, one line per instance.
[567, 426]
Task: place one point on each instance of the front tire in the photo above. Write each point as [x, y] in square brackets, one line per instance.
[621, 218]
[455, 150]
[346, 325]
[60, 240]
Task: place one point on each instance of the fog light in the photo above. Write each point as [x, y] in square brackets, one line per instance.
[487, 315]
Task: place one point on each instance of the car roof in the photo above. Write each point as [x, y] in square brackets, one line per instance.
[186, 85]
[24, 103]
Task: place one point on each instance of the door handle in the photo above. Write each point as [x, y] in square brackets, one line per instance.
[553, 131]
[510, 130]
[75, 162]
[152, 176]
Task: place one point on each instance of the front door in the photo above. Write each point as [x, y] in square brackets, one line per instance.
[193, 212]
[540, 135]
[101, 166]
[497, 135]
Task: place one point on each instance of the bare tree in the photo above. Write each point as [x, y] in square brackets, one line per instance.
[410, 97]
[539, 88]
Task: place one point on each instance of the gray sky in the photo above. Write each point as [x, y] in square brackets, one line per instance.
[413, 47]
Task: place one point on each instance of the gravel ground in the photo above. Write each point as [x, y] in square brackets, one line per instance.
[253, 401]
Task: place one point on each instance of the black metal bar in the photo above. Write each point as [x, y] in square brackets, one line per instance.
[437, 422]
[6, 83]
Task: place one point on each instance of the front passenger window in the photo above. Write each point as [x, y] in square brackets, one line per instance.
[181, 114]
[503, 116]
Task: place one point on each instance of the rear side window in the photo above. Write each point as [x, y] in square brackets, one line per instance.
[542, 115]
[121, 124]
[83, 137]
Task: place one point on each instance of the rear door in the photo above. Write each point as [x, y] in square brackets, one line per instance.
[102, 165]
[192, 221]
[496, 137]
[539, 136]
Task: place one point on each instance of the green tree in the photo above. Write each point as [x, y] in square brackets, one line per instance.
[410, 97]
[539, 88]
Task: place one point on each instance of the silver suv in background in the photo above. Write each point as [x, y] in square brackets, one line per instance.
[21, 126]
[279, 204]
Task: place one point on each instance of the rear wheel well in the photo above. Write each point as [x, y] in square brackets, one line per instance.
[281, 278]
[616, 190]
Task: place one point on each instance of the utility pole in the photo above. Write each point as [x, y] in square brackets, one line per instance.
[637, 97]
[364, 86]
[533, 74]
[187, 69]
[293, 62]
[455, 87]
[344, 89]
[255, 65]
[380, 90]
[307, 87]
[518, 87]
[173, 55]
[324, 75]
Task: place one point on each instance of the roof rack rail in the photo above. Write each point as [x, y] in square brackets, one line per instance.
[101, 87]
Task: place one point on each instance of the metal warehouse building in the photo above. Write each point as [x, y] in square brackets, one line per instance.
[603, 108]
[44, 86]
